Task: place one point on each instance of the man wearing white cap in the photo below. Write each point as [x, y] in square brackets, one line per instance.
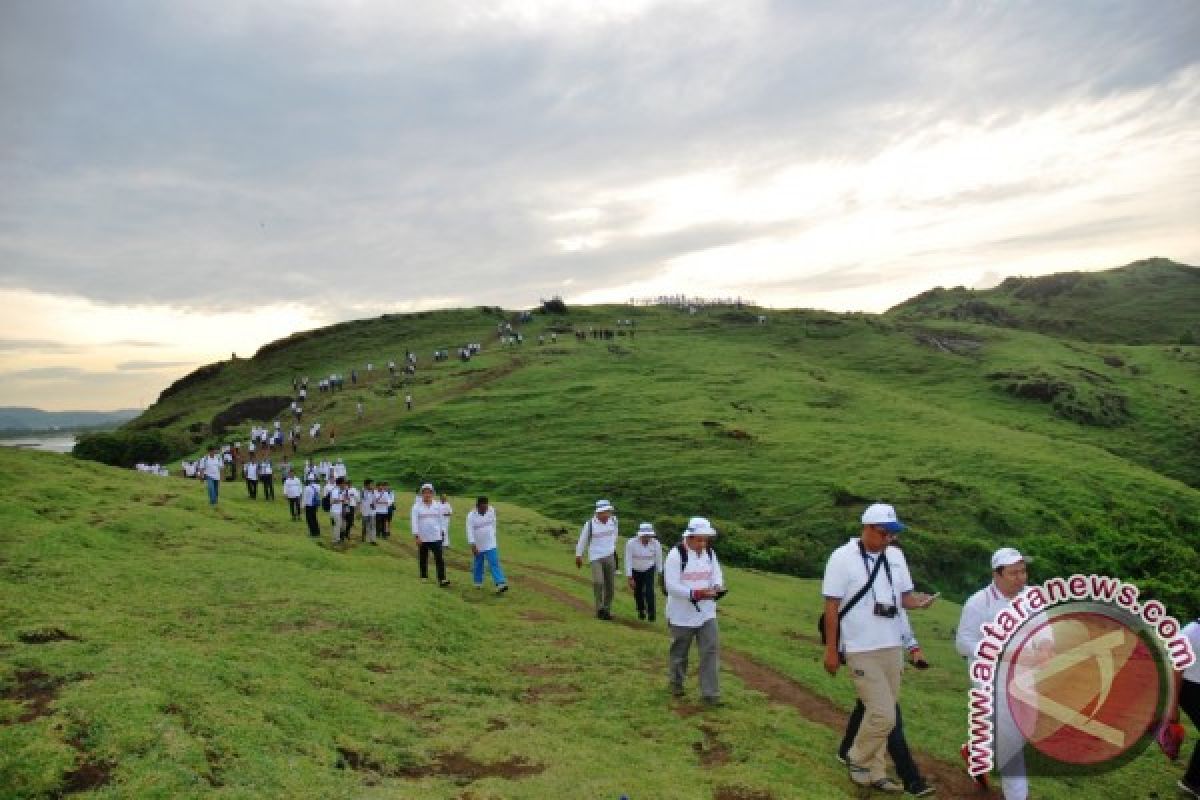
[1009, 578]
[643, 560]
[599, 540]
[427, 531]
[694, 582]
[865, 585]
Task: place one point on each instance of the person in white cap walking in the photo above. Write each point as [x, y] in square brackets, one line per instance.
[643, 560]
[598, 539]
[1010, 576]
[865, 585]
[694, 582]
[426, 520]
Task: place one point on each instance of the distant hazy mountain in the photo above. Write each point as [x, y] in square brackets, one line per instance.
[23, 418]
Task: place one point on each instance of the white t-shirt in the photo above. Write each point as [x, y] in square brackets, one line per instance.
[383, 501]
[603, 539]
[641, 557]
[292, 487]
[703, 572]
[251, 471]
[337, 499]
[367, 504]
[846, 573]
[1192, 632]
[427, 521]
[481, 529]
[212, 467]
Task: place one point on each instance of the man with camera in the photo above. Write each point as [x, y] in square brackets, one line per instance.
[694, 582]
[865, 585]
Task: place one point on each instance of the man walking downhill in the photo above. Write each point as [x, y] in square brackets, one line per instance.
[267, 478]
[311, 500]
[693, 587]
[643, 561]
[337, 506]
[481, 536]
[871, 634]
[250, 470]
[210, 467]
[599, 540]
[367, 509]
[292, 489]
[426, 521]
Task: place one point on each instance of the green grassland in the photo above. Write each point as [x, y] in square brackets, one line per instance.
[1086, 455]
[154, 647]
[1152, 301]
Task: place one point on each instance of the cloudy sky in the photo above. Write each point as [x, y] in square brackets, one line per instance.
[181, 180]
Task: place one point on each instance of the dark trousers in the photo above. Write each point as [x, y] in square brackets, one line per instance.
[897, 747]
[252, 488]
[268, 485]
[294, 507]
[1189, 701]
[423, 559]
[643, 592]
[310, 516]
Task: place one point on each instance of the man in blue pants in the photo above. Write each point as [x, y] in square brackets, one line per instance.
[481, 535]
[210, 467]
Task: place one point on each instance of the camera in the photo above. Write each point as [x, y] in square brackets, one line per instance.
[721, 592]
[885, 611]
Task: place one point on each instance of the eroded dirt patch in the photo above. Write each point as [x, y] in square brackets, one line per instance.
[712, 752]
[458, 766]
[740, 793]
[35, 690]
[46, 635]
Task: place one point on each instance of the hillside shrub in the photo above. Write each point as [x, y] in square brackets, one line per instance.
[124, 448]
[256, 408]
[192, 379]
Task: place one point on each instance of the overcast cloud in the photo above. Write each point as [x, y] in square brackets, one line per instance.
[341, 159]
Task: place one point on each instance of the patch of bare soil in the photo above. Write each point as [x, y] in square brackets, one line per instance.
[46, 635]
[36, 691]
[89, 773]
[457, 766]
[712, 752]
[740, 793]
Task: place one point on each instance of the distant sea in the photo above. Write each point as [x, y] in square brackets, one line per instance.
[61, 443]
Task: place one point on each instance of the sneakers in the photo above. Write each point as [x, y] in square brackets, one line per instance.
[919, 788]
[602, 614]
[443, 584]
[841, 757]
[861, 776]
[502, 588]
[887, 785]
[1188, 789]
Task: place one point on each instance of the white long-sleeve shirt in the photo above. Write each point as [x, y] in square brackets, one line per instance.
[383, 501]
[703, 572]
[602, 541]
[980, 608]
[427, 521]
[642, 557]
[292, 487]
[212, 467]
[366, 504]
[481, 529]
[311, 495]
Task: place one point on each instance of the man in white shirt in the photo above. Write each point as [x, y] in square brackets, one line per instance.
[311, 500]
[383, 509]
[292, 489]
[598, 539]
[250, 470]
[266, 477]
[447, 513]
[210, 467]
[871, 634]
[367, 509]
[481, 536]
[643, 560]
[426, 519]
[337, 508]
[1010, 574]
[693, 588]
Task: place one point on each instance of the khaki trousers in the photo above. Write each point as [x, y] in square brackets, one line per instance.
[876, 676]
[604, 575]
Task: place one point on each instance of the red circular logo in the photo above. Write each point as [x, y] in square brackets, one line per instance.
[1084, 688]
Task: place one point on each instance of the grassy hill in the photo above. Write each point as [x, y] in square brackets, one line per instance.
[154, 647]
[1084, 454]
[1147, 302]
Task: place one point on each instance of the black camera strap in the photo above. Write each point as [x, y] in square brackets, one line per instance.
[869, 586]
[871, 574]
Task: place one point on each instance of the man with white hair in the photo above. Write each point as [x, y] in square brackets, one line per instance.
[643, 560]
[694, 582]
[598, 539]
[866, 584]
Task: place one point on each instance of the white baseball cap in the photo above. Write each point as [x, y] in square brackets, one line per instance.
[884, 516]
[1007, 556]
[603, 505]
[646, 529]
[425, 486]
[700, 526]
